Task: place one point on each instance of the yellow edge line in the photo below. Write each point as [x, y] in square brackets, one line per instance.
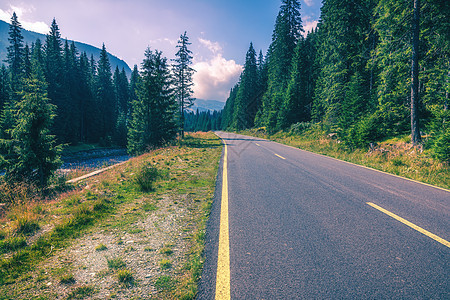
[279, 156]
[413, 226]
[223, 259]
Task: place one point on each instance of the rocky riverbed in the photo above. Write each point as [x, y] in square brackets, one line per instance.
[94, 158]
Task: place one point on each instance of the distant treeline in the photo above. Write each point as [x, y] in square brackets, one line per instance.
[353, 74]
[203, 121]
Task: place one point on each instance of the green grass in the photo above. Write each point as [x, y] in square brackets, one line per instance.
[81, 292]
[165, 283]
[115, 263]
[12, 244]
[166, 251]
[101, 247]
[165, 264]
[125, 276]
[67, 279]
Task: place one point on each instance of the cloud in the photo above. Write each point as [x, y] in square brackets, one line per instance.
[309, 2]
[21, 12]
[214, 47]
[214, 78]
[309, 26]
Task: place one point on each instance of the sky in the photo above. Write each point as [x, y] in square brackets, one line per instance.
[220, 30]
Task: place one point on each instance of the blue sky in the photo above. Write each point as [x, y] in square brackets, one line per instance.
[220, 30]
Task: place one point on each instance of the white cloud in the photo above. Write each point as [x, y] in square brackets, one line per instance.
[215, 75]
[308, 26]
[21, 12]
[214, 47]
[214, 78]
[309, 2]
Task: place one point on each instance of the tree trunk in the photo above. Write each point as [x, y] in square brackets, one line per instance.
[415, 132]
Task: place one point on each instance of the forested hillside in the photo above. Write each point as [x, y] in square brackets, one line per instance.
[372, 69]
[51, 94]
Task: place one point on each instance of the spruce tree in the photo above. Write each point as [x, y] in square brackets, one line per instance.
[54, 75]
[288, 29]
[105, 97]
[31, 152]
[246, 102]
[15, 55]
[183, 73]
[153, 113]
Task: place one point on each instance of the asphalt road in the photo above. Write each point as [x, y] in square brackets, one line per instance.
[300, 227]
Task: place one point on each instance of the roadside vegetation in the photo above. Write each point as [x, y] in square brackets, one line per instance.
[396, 155]
[135, 231]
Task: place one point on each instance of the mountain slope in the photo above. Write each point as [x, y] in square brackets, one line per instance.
[30, 37]
[204, 105]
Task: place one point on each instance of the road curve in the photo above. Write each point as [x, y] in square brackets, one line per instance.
[305, 226]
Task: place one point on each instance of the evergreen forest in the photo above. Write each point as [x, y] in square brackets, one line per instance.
[370, 70]
[53, 96]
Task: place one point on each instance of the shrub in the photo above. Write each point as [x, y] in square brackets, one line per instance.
[441, 146]
[125, 276]
[300, 127]
[115, 263]
[146, 176]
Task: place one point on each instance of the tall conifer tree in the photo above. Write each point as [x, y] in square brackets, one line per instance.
[183, 73]
[246, 102]
[288, 29]
[153, 120]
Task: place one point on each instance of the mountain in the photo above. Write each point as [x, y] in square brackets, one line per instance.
[30, 37]
[205, 105]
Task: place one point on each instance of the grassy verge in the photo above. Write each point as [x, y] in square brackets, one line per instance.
[136, 231]
[395, 156]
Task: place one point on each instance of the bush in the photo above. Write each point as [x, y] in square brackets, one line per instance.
[441, 146]
[300, 127]
[146, 176]
[125, 276]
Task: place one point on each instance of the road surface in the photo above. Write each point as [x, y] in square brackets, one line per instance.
[305, 226]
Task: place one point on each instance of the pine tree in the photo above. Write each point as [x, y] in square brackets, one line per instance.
[294, 107]
[15, 55]
[153, 119]
[343, 28]
[31, 152]
[54, 75]
[26, 62]
[183, 77]
[393, 26]
[227, 118]
[288, 29]
[246, 102]
[121, 88]
[105, 97]
[4, 86]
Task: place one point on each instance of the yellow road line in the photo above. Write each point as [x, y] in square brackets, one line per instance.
[279, 156]
[413, 226]
[223, 259]
[258, 144]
